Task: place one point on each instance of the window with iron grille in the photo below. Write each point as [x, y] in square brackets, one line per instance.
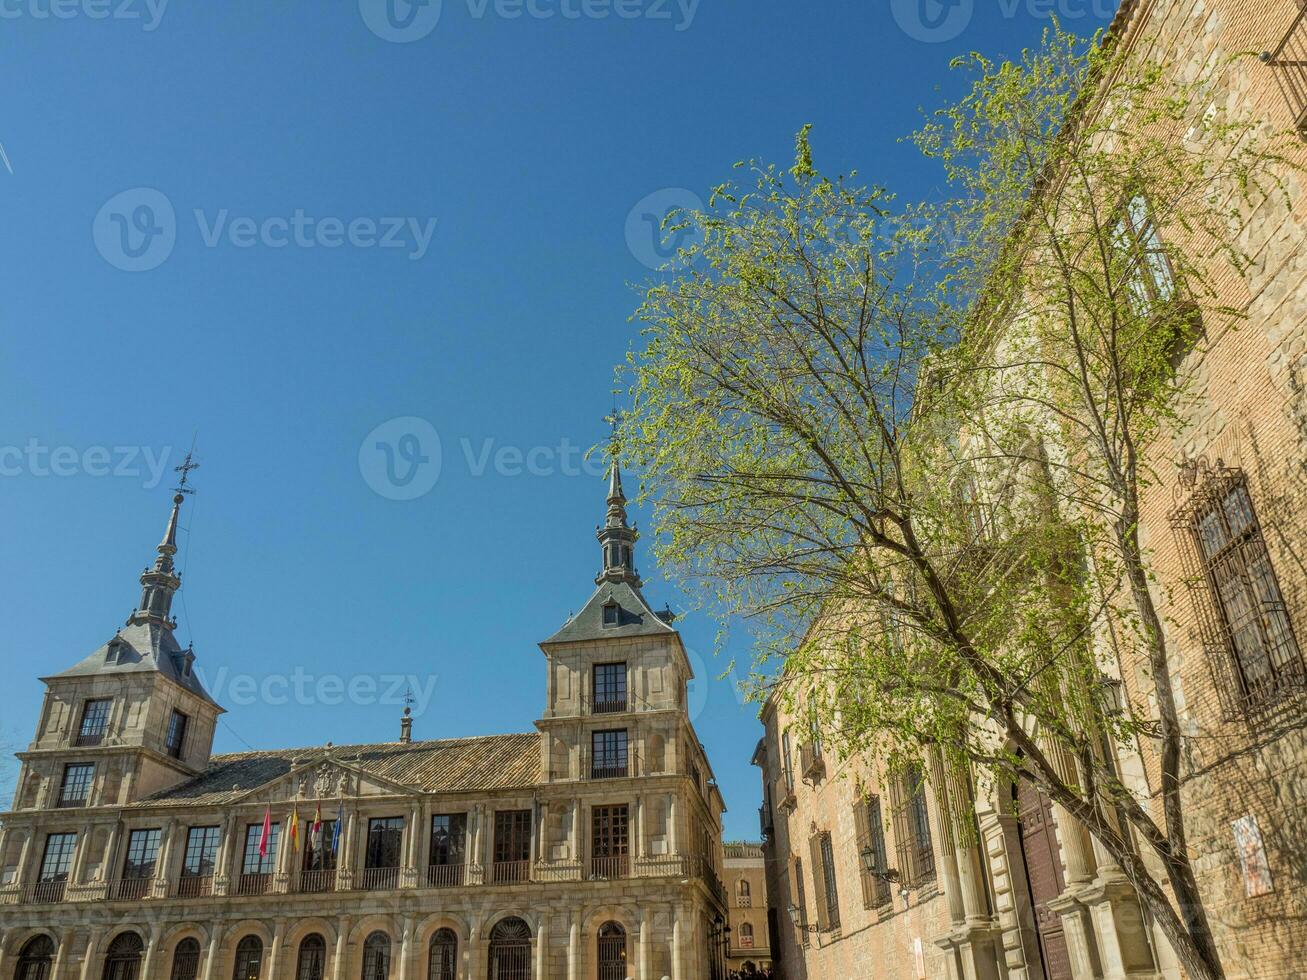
[801, 902]
[76, 785]
[58, 858]
[142, 852]
[443, 956]
[609, 687]
[186, 960]
[610, 841]
[912, 838]
[95, 721]
[376, 957]
[122, 961]
[201, 851]
[871, 838]
[175, 743]
[608, 756]
[823, 876]
[249, 959]
[1243, 615]
[312, 959]
[36, 959]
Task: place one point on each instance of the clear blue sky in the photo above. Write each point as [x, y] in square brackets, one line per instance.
[529, 140]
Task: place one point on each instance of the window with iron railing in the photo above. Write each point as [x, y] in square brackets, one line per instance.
[384, 855]
[915, 847]
[871, 840]
[610, 841]
[1289, 61]
[95, 722]
[256, 867]
[199, 862]
[138, 866]
[75, 789]
[448, 849]
[512, 846]
[609, 754]
[609, 688]
[56, 864]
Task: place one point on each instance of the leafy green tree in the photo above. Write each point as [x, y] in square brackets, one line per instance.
[909, 443]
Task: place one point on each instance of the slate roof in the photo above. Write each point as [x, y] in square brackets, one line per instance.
[445, 765]
[635, 618]
[142, 647]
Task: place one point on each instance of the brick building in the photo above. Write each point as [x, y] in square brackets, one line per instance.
[587, 849]
[1034, 898]
[745, 877]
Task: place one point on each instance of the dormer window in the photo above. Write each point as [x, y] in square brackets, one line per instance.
[111, 656]
[612, 614]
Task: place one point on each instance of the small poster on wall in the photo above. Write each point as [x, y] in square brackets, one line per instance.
[919, 956]
[1252, 856]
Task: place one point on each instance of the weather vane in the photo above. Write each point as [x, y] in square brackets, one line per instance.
[188, 464]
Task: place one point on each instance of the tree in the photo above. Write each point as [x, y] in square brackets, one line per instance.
[911, 446]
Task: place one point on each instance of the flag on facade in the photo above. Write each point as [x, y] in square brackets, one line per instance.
[294, 829]
[265, 839]
[335, 831]
[315, 832]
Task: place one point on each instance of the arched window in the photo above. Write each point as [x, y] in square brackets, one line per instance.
[612, 952]
[443, 960]
[742, 893]
[510, 950]
[249, 959]
[35, 959]
[746, 935]
[123, 960]
[313, 958]
[186, 960]
[376, 957]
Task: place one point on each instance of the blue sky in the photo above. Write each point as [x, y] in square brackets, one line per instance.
[284, 225]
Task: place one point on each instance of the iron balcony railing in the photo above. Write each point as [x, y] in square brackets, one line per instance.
[47, 892]
[130, 889]
[1290, 63]
[379, 879]
[609, 868]
[195, 886]
[314, 882]
[508, 872]
[253, 884]
[89, 739]
[446, 875]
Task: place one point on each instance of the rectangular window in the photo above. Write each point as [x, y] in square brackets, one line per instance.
[801, 902]
[1253, 619]
[95, 721]
[609, 688]
[385, 842]
[823, 876]
[1143, 260]
[448, 838]
[611, 611]
[142, 852]
[254, 863]
[610, 841]
[57, 861]
[871, 845]
[608, 756]
[175, 743]
[76, 785]
[201, 851]
[512, 853]
[912, 829]
[318, 855]
[787, 763]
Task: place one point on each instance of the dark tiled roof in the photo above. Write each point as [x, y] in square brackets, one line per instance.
[447, 765]
[635, 618]
[140, 648]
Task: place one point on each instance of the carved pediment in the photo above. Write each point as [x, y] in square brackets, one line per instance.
[325, 781]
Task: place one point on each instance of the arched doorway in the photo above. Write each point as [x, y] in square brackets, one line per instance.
[35, 959]
[443, 957]
[123, 960]
[312, 964]
[186, 960]
[612, 952]
[1045, 877]
[510, 950]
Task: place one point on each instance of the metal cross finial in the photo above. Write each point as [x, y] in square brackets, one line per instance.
[188, 464]
[409, 699]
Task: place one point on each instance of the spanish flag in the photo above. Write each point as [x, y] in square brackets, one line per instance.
[295, 830]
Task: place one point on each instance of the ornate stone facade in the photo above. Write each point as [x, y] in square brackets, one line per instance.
[586, 850]
[746, 889]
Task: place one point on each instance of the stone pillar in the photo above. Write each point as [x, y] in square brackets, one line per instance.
[476, 954]
[406, 951]
[678, 942]
[573, 951]
[214, 953]
[542, 948]
[228, 867]
[278, 941]
[88, 957]
[60, 956]
[646, 926]
[21, 876]
[342, 948]
[163, 863]
[640, 840]
[151, 952]
[673, 829]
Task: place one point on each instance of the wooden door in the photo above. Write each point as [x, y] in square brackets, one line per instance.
[1045, 877]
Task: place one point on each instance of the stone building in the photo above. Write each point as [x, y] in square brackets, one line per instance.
[867, 870]
[745, 878]
[586, 850]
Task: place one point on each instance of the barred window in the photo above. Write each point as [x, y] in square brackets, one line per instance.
[871, 838]
[823, 878]
[912, 838]
[801, 902]
[1257, 631]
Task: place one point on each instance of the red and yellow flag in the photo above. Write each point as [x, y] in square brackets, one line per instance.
[295, 829]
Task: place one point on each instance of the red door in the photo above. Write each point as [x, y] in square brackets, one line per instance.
[1045, 877]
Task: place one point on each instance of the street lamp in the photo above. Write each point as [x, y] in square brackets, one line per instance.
[797, 919]
[871, 864]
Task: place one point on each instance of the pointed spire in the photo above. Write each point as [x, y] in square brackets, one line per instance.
[160, 583]
[616, 538]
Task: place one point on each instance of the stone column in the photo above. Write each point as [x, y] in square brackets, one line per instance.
[542, 947]
[673, 828]
[89, 956]
[79, 859]
[406, 951]
[60, 956]
[476, 953]
[163, 863]
[274, 954]
[22, 876]
[214, 953]
[573, 951]
[678, 970]
[640, 844]
[151, 952]
[646, 926]
[226, 868]
[342, 948]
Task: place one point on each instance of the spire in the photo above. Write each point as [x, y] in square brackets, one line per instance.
[616, 538]
[160, 583]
